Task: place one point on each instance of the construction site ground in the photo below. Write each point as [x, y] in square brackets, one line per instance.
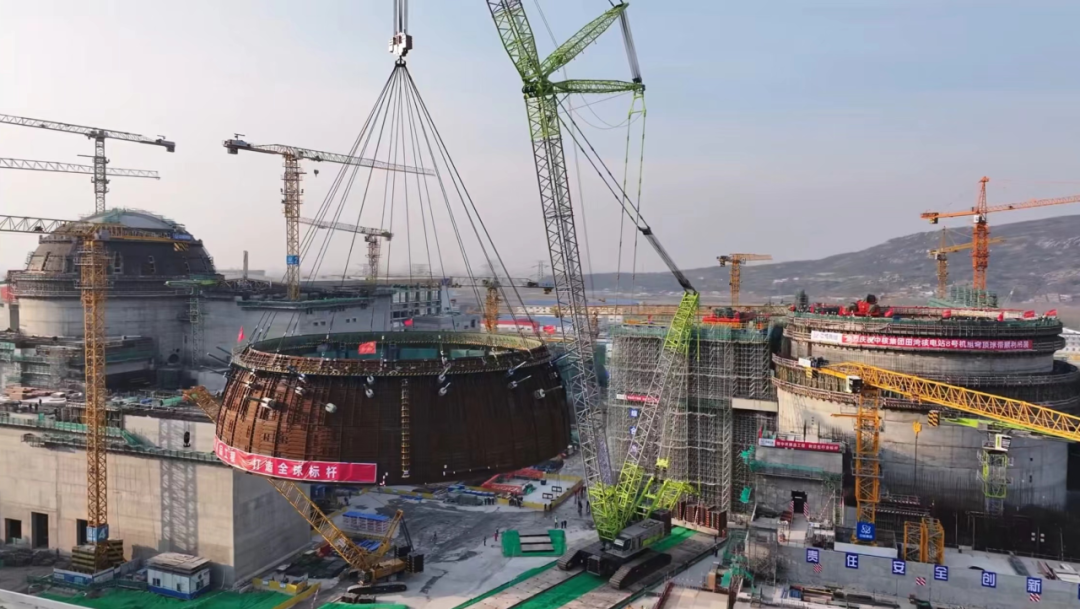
[135, 599]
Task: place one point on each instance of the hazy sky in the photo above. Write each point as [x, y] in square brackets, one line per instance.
[798, 128]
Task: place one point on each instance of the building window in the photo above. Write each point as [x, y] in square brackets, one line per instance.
[157, 582]
[149, 267]
[117, 263]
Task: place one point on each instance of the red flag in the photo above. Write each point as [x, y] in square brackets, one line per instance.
[408, 322]
[240, 337]
[1029, 314]
[1051, 313]
[1001, 316]
[366, 348]
[946, 314]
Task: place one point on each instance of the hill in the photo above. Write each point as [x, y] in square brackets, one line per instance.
[1039, 258]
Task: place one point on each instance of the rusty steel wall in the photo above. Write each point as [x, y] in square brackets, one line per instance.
[480, 426]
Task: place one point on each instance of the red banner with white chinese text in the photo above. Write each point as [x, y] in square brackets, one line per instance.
[304, 471]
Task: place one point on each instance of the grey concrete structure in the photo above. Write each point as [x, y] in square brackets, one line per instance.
[175, 500]
[964, 587]
[948, 456]
[152, 299]
[1013, 358]
[810, 478]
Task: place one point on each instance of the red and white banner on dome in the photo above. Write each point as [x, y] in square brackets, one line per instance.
[305, 471]
[918, 342]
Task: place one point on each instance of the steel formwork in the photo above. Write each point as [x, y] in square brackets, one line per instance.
[723, 363]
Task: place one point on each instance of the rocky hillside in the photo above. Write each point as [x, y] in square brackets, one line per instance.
[1039, 258]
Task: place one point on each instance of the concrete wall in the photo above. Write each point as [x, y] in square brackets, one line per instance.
[937, 363]
[157, 318]
[155, 505]
[964, 588]
[948, 455]
[222, 320]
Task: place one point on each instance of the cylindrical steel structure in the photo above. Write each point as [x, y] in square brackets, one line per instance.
[414, 407]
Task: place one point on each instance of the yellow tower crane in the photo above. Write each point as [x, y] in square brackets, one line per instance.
[292, 193]
[736, 261]
[940, 254]
[92, 260]
[866, 381]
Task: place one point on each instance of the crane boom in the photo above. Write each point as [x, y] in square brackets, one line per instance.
[980, 252]
[99, 135]
[56, 166]
[614, 502]
[1017, 413]
[304, 154]
[349, 228]
[355, 556]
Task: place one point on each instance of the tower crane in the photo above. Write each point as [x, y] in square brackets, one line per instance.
[99, 135]
[641, 483]
[940, 254]
[980, 235]
[92, 261]
[867, 381]
[736, 261]
[371, 237]
[291, 192]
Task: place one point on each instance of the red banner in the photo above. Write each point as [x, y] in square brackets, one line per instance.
[823, 447]
[307, 471]
[918, 342]
[634, 397]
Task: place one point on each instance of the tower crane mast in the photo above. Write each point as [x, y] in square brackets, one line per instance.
[292, 194]
[99, 135]
[940, 255]
[736, 261]
[371, 237]
[980, 233]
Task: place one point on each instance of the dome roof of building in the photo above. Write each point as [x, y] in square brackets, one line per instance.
[148, 263]
[135, 218]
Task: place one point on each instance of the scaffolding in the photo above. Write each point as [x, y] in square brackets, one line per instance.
[994, 458]
[723, 364]
[924, 541]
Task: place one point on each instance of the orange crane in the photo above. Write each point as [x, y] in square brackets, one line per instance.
[940, 254]
[980, 236]
[291, 192]
[736, 261]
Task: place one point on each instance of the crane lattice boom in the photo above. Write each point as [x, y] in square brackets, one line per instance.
[614, 502]
[356, 557]
[29, 165]
[1017, 413]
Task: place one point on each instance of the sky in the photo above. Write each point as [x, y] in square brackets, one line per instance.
[799, 129]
